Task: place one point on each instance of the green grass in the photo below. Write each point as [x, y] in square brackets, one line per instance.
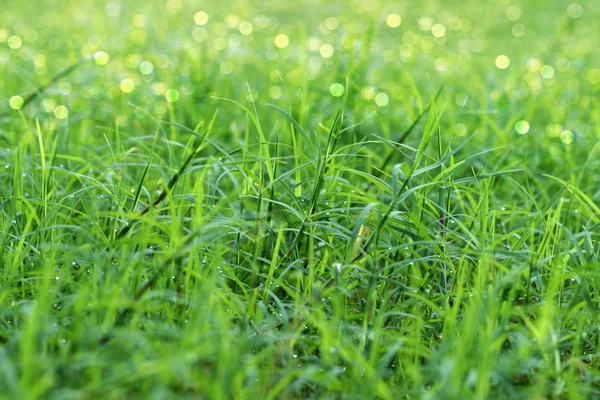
[188, 210]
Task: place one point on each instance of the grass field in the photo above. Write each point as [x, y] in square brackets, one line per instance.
[314, 199]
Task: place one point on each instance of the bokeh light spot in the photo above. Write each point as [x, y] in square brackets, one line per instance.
[112, 9]
[522, 127]
[101, 58]
[201, 18]
[461, 99]
[575, 10]
[593, 76]
[367, 93]
[382, 99]
[61, 112]
[138, 36]
[16, 102]
[313, 43]
[133, 60]
[533, 64]
[275, 92]
[336, 89]
[48, 105]
[159, 88]
[127, 86]
[172, 95]
[146, 67]
[252, 95]
[553, 130]
[502, 62]
[438, 30]
[567, 136]
[246, 28]
[513, 13]
[460, 129]
[393, 20]
[14, 42]
[225, 68]
[518, 30]
[139, 20]
[425, 23]
[174, 7]
[547, 72]
[282, 40]
[326, 50]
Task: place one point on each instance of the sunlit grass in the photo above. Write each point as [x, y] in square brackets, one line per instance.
[363, 199]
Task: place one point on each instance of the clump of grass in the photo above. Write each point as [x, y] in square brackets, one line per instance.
[179, 235]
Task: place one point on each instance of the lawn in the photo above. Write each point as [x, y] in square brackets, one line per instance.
[305, 199]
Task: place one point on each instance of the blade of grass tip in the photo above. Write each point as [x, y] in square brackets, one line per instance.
[296, 125]
[264, 155]
[410, 129]
[159, 124]
[163, 193]
[369, 116]
[271, 196]
[43, 162]
[265, 161]
[334, 135]
[331, 143]
[263, 141]
[50, 175]
[540, 218]
[173, 181]
[452, 152]
[441, 189]
[272, 191]
[432, 123]
[583, 198]
[360, 221]
[144, 173]
[40, 90]
[315, 196]
[219, 149]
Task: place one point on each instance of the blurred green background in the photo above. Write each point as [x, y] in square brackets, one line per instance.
[501, 62]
